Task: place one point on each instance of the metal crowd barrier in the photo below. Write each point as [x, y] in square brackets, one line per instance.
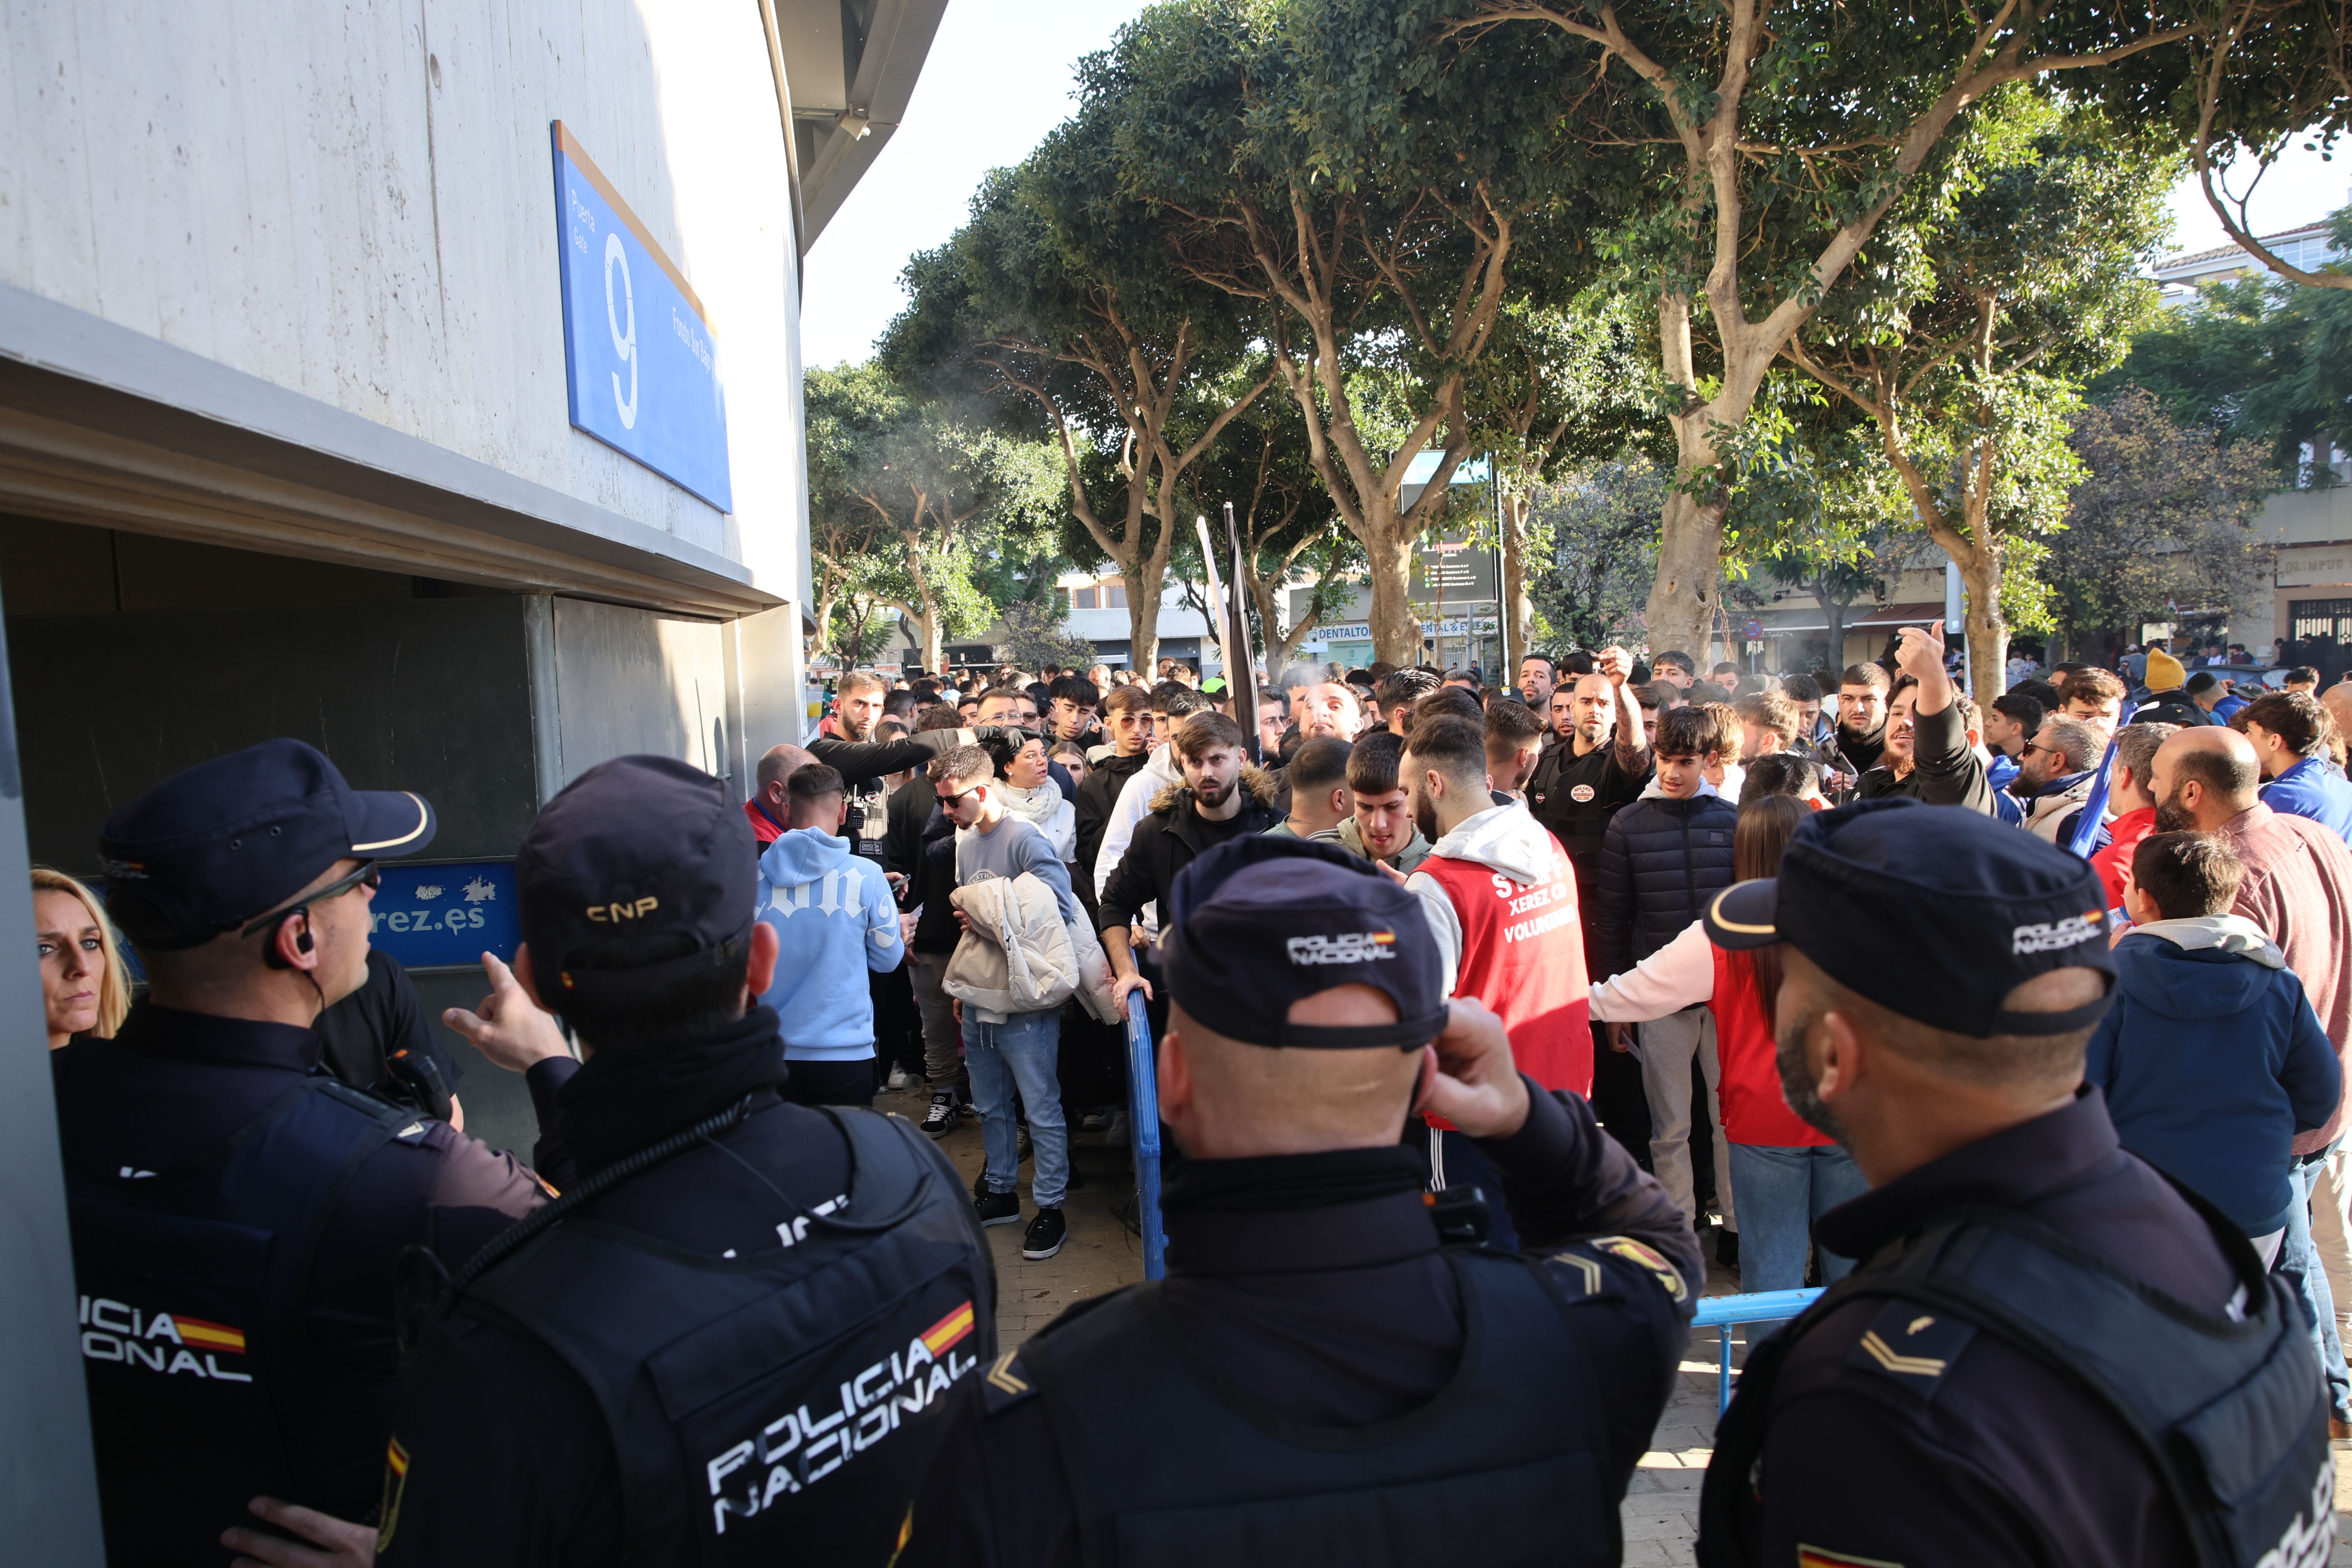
[1143, 1136]
[1723, 1313]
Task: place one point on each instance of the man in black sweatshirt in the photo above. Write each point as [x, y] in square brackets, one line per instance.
[1312, 1342]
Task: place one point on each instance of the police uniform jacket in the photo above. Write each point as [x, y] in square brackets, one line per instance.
[171, 1091]
[1346, 1314]
[1947, 1445]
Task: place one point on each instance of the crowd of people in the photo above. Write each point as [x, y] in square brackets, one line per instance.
[1517, 1004]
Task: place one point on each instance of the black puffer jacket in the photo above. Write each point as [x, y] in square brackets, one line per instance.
[1170, 837]
[1661, 861]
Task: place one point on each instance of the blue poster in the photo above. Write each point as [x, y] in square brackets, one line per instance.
[638, 352]
[451, 913]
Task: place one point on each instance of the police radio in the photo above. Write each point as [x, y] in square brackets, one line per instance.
[413, 1079]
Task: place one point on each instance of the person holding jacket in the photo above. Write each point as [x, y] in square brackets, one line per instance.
[1664, 857]
[1784, 1174]
[2211, 1058]
[835, 920]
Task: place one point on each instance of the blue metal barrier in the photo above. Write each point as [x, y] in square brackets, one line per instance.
[1722, 1313]
[1143, 1134]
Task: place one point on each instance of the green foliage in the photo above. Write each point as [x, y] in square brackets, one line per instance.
[2162, 527]
[1034, 637]
[2260, 362]
[1593, 549]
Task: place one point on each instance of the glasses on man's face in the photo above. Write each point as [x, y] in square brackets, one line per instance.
[950, 802]
[2037, 746]
[368, 876]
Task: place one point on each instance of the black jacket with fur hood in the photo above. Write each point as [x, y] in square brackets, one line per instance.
[1167, 841]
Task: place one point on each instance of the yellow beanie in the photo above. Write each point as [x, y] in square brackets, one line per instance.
[2164, 671]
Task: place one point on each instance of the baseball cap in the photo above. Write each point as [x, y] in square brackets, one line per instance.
[640, 845]
[1258, 923]
[215, 845]
[1936, 912]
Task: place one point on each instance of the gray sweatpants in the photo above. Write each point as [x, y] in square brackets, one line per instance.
[942, 1037]
[1668, 1047]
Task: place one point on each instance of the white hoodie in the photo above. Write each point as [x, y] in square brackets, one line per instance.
[1158, 771]
[1504, 838]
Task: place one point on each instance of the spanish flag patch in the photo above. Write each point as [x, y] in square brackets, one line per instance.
[209, 1336]
[949, 1329]
[395, 1481]
[1814, 1557]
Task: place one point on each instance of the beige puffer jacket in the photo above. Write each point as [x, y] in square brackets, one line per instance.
[1017, 957]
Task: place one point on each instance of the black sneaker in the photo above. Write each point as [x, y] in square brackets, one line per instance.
[1046, 1234]
[1005, 1208]
[941, 1117]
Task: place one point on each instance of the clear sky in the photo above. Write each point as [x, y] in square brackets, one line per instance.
[999, 77]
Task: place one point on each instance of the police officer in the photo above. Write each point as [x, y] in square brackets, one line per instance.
[1324, 1376]
[740, 1334]
[238, 1213]
[2049, 1354]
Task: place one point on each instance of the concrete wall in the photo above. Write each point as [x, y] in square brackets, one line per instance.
[355, 201]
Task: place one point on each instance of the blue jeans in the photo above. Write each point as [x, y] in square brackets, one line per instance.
[1780, 1191]
[2299, 1265]
[1019, 1053]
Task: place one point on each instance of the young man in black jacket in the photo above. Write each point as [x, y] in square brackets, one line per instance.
[1127, 721]
[1929, 754]
[1662, 858]
[920, 848]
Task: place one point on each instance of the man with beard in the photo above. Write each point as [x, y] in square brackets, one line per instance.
[1501, 896]
[1329, 708]
[2297, 887]
[1601, 766]
[2043, 1329]
[865, 765]
[2056, 773]
[1222, 797]
[1539, 677]
[1930, 751]
[1861, 736]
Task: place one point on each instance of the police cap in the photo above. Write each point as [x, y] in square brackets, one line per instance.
[215, 845]
[638, 846]
[1935, 912]
[1260, 922]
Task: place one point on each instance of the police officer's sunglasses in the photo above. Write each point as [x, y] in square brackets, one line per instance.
[368, 876]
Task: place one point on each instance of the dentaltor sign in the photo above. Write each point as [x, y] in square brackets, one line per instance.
[638, 350]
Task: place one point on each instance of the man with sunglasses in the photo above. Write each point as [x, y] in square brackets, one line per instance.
[238, 1213]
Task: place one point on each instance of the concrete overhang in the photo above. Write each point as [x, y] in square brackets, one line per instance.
[851, 68]
[105, 426]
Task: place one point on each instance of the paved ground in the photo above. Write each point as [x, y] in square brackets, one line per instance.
[1661, 1509]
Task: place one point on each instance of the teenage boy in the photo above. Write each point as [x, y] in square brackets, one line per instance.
[1662, 858]
[1127, 716]
[1381, 826]
[2289, 731]
[2210, 1057]
[2008, 725]
[1016, 1050]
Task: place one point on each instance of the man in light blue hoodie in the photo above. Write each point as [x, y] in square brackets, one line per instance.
[834, 918]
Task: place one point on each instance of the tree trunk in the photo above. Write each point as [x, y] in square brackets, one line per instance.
[1689, 585]
[823, 637]
[1396, 630]
[1980, 570]
[1518, 610]
[1143, 624]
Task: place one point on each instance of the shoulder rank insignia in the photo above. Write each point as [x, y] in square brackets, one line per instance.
[1004, 1383]
[1912, 1346]
[1646, 1258]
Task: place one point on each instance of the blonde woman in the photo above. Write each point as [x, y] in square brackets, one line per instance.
[84, 984]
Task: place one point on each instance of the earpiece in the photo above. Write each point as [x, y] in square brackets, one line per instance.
[302, 942]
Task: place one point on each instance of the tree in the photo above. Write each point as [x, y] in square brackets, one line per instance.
[2259, 362]
[1036, 635]
[2010, 280]
[2161, 526]
[1766, 143]
[1057, 297]
[901, 497]
[1597, 532]
[1371, 197]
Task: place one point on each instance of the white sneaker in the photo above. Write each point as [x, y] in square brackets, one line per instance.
[900, 1079]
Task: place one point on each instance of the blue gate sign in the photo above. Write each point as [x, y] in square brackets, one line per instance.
[638, 352]
[428, 915]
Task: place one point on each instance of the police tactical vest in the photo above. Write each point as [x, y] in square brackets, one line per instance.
[784, 1405]
[2232, 1414]
[1171, 1466]
[204, 1388]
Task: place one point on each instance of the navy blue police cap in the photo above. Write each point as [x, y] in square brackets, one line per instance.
[1258, 923]
[638, 846]
[1936, 912]
[215, 845]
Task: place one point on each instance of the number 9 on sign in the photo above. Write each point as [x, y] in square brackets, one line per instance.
[624, 342]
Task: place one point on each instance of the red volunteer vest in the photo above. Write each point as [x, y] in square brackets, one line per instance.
[1523, 957]
[1754, 1110]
